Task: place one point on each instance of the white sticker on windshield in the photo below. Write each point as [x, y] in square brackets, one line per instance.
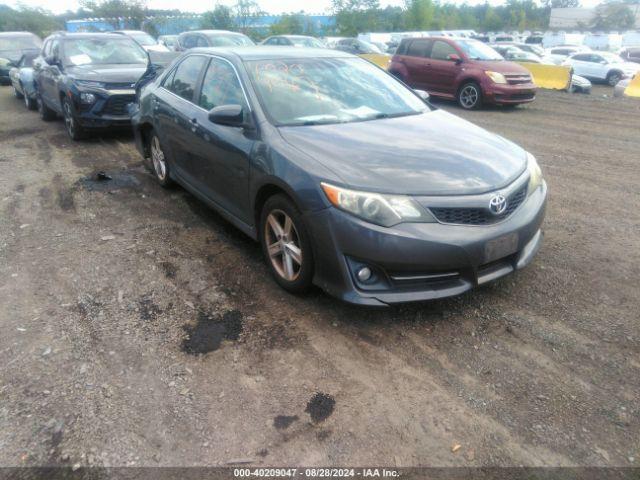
[81, 59]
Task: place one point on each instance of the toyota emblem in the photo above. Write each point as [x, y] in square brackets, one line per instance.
[497, 204]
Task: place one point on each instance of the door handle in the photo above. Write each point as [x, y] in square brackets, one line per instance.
[194, 124]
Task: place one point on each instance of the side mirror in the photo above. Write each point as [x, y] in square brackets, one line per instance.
[422, 94]
[229, 115]
[51, 60]
[454, 58]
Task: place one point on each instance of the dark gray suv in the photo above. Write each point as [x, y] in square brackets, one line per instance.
[349, 179]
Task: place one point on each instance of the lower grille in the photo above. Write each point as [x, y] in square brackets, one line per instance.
[479, 216]
[522, 96]
[118, 104]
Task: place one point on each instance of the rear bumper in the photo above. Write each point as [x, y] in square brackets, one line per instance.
[510, 94]
[417, 262]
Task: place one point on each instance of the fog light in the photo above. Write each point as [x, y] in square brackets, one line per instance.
[364, 274]
[87, 98]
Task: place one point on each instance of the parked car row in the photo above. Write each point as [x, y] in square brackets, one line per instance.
[348, 178]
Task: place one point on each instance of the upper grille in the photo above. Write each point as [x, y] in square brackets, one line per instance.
[516, 79]
[117, 104]
[479, 216]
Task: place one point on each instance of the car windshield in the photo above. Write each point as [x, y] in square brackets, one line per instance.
[143, 39]
[611, 57]
[311, 91]
[17, 43]
[367, 47]
[102, 51]
[476, 50]
[306, 42]
[230, 40]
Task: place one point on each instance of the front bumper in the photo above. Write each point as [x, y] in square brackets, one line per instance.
[421, 261]
[109, 109]
[509, 94]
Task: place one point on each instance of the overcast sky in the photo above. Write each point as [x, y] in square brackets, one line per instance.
[271, 6]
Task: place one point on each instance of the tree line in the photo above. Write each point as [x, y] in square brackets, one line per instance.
[351, 16]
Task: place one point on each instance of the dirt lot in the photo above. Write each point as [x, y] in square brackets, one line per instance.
[139, 328]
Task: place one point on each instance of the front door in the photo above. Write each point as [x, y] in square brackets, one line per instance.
[221, 153]
[443, 69]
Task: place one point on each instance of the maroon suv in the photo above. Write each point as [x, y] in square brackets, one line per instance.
[468, 70]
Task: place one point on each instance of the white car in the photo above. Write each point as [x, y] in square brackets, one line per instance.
[557, 55]
[145, 40]
[602, 66]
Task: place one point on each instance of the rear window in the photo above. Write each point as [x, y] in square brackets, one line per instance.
[418, 48]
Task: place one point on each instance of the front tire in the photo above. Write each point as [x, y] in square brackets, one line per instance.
[17, 94]
[159, 162]
[470, 96]
[30, 103]
[286, 245]
[75, 131]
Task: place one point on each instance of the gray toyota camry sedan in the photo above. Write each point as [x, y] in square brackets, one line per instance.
[349, 179]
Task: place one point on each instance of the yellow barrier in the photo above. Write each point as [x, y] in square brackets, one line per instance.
[380, 59]
[555, 77]
[633, 89]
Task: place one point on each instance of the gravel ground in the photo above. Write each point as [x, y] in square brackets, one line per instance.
[139, 328]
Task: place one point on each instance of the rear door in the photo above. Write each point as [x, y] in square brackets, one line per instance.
[443, 70]
[175, 111]
[582, 64]
[416, 61]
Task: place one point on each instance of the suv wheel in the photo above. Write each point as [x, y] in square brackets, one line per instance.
[30, 103]
[17, 94]
[45, 112]
[286, 244]
[613, 78]
[470, 96]
[75, 131]
[159, 162]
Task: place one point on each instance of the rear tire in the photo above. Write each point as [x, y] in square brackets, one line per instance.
[613, 78]
[45, 112]
[159, 163]
[470, 96]
[286, 245]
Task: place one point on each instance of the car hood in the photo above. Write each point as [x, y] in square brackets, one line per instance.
[501, 66]
[107, 73]
[434, 153]
[626, 66]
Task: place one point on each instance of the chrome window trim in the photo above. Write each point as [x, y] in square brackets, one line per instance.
[207, 55]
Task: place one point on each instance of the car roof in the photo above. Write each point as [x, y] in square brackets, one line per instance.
[271, 53]
[226, 32]
[129, 31]
[16, 34]
[89, 35]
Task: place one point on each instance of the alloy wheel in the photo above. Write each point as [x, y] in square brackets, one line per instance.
[469, 96]
[283, 245]
[69, 122]
[157, 157]
[614, 78]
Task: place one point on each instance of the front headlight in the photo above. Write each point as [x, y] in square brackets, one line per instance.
[535, 173]
[496, 77]
[385, 210]
[87, 98]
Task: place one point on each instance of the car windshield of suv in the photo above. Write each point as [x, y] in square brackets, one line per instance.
[18, 43]
[102, 51]
[611, 57]
[312, 91]
[475, 50]
[305, 42]
[143, 39]
[229, 40]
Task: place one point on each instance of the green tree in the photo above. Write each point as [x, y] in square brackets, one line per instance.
[220, 18]
[289, 24]
[420, 14]
[35, 20]
[133, 11]
[245, 11]
[356, 16]
[613, 16]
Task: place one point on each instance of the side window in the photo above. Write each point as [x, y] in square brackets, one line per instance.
[46, 50]
[185, 78]
[271, 41]
[418, 48]
[581, 58]
[441, 50]
[596, 58]
[220, 86]
[201, 42]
